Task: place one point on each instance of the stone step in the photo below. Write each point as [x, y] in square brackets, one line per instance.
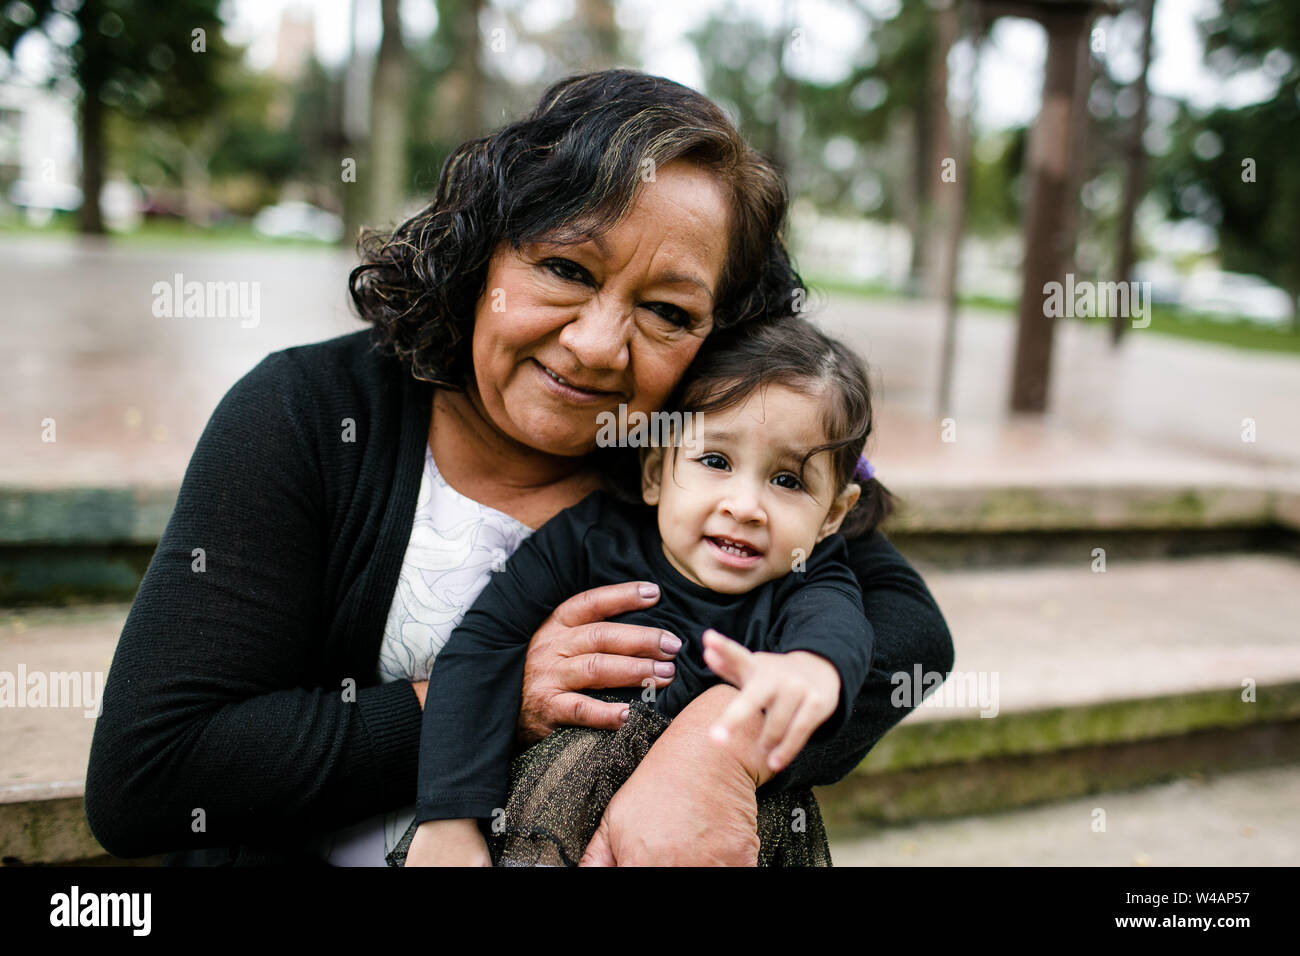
[67, 544]
[1239, 819]
[1091, 680]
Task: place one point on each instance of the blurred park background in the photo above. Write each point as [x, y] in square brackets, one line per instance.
[1106, 506]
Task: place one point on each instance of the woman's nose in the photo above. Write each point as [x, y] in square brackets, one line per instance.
[598, 335]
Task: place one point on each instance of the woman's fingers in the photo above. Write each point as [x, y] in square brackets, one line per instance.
[579, 710]
[615, 670]
[610, 600]
[598, 852]
[631, 640]
[731, 661]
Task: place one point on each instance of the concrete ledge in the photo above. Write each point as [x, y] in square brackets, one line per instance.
[45, 823]
[931, 509]
[926, 743]
[85, 516]
[138, 514]
[1003, 783]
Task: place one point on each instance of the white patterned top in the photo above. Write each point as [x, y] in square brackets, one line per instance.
[456, 543]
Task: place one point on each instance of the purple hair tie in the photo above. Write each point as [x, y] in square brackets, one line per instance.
[865, 470]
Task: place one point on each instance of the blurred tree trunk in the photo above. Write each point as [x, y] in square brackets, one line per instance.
[1134, 170]
[388, 108]
[459, 96]
[781, 129]
[934, 144]
[596, 20]
[351, 101]
[90, 220]
[91, 72]
[1049, 174]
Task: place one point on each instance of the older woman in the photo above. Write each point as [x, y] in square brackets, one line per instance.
[264, 705]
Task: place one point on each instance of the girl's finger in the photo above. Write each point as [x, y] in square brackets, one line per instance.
[800, 730]
[746, 704]
[776, 721]
[731, 661]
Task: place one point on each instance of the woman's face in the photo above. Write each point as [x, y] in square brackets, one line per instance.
[617, 318]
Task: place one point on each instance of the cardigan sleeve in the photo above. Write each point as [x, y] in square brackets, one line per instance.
[208, 736]
[824, 616]
[909, 630]
[475, 688]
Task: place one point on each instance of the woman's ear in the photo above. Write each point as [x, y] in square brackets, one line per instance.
[652, 467]
[843, 505]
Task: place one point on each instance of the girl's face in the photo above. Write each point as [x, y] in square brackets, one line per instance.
[617, 318]
[733, 511]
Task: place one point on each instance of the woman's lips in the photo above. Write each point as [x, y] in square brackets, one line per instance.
[570, 393]
[734, 554]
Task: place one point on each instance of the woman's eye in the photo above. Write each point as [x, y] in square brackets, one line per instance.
[568, 271]
[712, 461]
[791, 482]
[670, 313]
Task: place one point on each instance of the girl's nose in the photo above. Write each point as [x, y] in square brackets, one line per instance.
[598, 335]
[742, 505]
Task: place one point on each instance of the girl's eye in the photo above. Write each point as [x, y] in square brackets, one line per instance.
[712, 461]
[793, 483]
[670, 313]
[568, 271]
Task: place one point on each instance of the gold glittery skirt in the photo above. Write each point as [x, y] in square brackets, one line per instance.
[560, 787]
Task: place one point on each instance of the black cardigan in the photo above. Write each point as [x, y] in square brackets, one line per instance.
[241, 715]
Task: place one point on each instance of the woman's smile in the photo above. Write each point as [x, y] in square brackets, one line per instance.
[562, 387]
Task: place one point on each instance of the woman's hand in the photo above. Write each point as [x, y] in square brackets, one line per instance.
[691, 801]
[795, 693]
[576, 649]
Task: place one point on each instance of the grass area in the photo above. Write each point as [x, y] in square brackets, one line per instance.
[164, 232]
[1164, 319]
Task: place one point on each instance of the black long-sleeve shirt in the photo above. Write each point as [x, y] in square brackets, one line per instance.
[473, 697]
[247, 690]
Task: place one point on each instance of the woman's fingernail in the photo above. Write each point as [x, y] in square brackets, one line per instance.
[649, 590]
[670, 644]
[665, 668]
[624, 713]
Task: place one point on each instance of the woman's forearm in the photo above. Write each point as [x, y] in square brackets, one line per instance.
[741, 748]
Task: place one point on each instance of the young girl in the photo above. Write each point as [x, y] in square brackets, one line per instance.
[743, 541]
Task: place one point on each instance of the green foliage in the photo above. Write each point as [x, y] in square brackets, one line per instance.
[1202, 175]
[135, 56]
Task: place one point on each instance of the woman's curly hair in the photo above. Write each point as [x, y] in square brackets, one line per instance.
[566, 172]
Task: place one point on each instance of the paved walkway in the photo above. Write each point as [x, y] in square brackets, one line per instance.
[130, 392]
[1241, 819]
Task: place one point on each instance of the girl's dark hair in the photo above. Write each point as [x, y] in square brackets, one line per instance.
[568, 171]
[791, 351]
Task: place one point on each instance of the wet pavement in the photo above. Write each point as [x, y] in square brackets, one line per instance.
[130, 390]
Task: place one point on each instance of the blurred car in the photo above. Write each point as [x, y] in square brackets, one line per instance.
[298, 220]
[1163, 278]
[1225, 296]
[119, 201]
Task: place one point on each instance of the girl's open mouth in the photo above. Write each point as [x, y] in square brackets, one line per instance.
[734, 553]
